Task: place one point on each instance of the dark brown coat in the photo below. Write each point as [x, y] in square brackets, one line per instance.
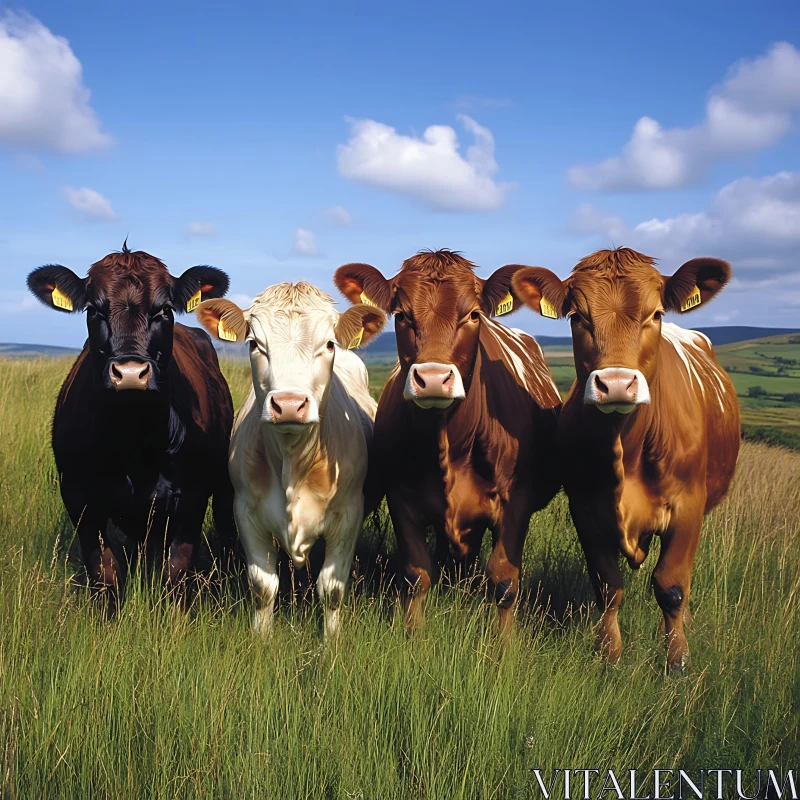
[143, 419]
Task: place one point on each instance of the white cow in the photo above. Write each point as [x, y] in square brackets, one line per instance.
[298, 455]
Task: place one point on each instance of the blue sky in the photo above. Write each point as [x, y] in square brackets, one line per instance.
[226, 134]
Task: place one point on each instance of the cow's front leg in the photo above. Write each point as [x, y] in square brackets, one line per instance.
[340, 545]
[672, 579]
[262, 565]
[190, 512]
[416, 564]
[503, 567]
[602, 561]
[104, 569]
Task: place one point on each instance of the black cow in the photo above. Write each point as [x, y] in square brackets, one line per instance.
[143, 421]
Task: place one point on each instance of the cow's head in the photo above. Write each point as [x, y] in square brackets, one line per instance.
[130, 299]
[292, 331]
[615, 300]
[439, 305]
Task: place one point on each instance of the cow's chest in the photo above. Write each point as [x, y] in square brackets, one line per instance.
[296, 511]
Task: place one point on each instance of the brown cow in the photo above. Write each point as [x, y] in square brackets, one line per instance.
[649, 434]
[465, 428]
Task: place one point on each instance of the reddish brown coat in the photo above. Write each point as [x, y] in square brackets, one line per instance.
[486, 461]
[656, 467]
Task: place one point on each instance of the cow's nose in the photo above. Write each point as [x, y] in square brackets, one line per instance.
[433, 380]
[289, 407]
[433, 385]
[129, 375]
[616, 389]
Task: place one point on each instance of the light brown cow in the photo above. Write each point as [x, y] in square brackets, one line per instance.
[649, 434]
[465, 430]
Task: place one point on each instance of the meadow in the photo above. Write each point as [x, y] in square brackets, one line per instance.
[162, 703]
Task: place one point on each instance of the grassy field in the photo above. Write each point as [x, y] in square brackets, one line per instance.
[161, 703]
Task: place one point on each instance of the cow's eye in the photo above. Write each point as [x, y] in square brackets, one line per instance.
[657, 316]
[164, 313]
[475, 316]
[399, 316]
[330, 346]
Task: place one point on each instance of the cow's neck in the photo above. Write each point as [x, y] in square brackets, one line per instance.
[133, 429]
[295, 455]
[451, 431]
[619, 444]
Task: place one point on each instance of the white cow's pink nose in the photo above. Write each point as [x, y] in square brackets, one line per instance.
[289, 407]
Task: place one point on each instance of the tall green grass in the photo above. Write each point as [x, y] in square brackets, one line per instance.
[161, 703]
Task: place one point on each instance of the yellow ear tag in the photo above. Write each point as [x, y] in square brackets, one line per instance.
[367, 301]
[225, 333]
[60, 300]
[692, 300]
[547, 309]
[194, 301]
[356, 341]
[505, 305]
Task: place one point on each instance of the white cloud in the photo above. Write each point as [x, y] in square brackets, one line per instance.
[588, 220]
[754, 223]
[89, 202]
[750, 110]
[305, 243]
[201, 229]
[430, 169]
[339, 216]
[44, 105]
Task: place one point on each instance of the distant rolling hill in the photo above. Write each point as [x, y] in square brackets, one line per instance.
[34, 350]
[726, 334]
[384, 345]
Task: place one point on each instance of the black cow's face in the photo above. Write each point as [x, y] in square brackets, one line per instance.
[130, 301]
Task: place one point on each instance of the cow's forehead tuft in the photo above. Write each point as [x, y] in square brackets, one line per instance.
[288, 296]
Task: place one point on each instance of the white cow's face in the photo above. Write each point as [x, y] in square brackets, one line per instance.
[293, 332]
[291, 358]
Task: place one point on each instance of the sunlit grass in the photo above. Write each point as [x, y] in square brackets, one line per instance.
[161, 703]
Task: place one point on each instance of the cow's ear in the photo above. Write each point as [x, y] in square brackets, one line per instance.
[223, 319]
[362, 283]
[358, 325]
[198, 284]
[695, 283]
[498, 296]
[58, 287]
[541, 290]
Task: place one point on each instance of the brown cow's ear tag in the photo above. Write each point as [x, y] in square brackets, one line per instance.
[505, 305]
[225, 333]
[194, 301]
[60, 300]
[548, 309]
[692, 300]
[356, 340]
[367, 301]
